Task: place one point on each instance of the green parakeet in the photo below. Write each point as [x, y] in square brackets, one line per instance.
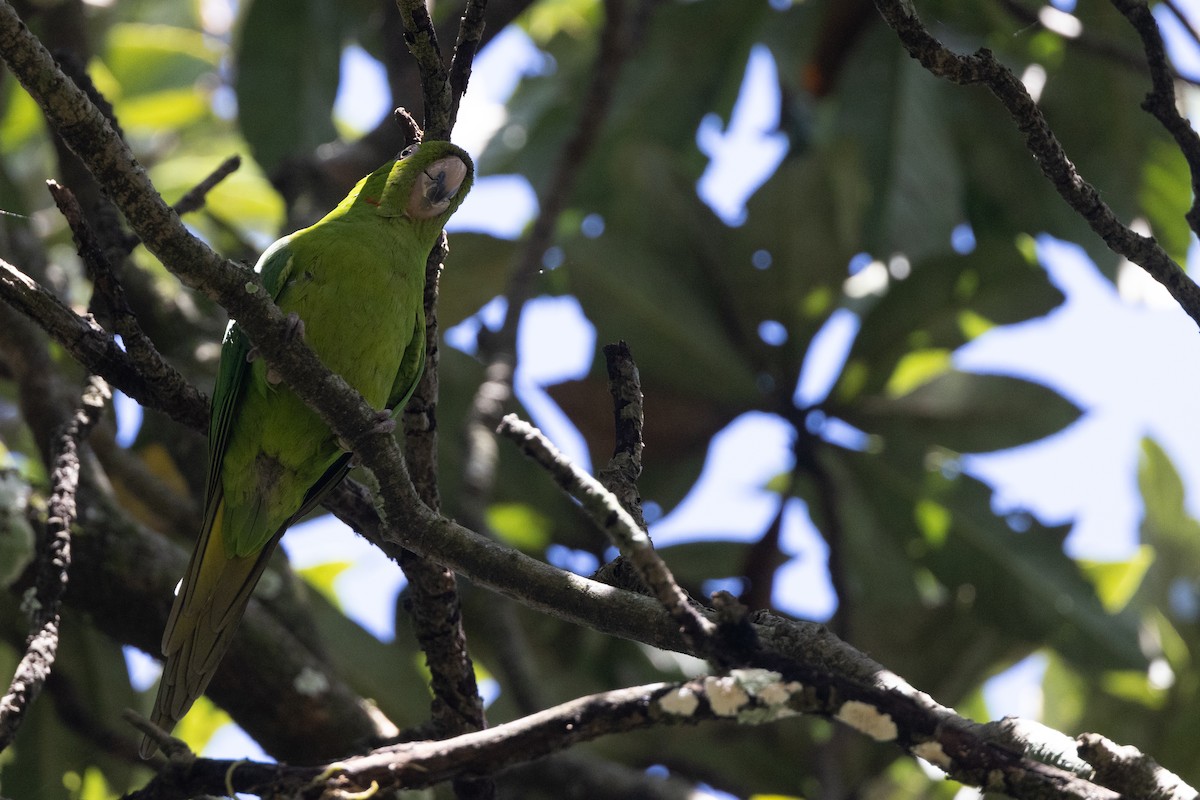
[355, 282]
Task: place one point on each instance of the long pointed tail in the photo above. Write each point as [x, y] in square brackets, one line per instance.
[207, 609]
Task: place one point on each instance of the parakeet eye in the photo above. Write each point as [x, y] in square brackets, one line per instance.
[436, 186]
[408, 151]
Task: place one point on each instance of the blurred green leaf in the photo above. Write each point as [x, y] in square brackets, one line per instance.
[1166, 197]
[149, 59]
[897, 114]
[171, 108]
[994, 283]
[965, 412]
[477, 270]
[520, 525]
[201, 723]
[1116, 582]
[323, 578]
[288, 62]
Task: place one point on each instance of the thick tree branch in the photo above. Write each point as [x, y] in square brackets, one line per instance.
[53, 564]
[983, 68]
[749, 696]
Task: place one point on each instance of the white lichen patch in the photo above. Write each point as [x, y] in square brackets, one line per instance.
[725, 695]
[311, 682]
[865, 718]
[681, 702]
[933, 753]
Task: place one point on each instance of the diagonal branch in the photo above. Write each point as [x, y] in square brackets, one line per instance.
[634, 543]
[983, 68]
[97, 350]
[493, 395]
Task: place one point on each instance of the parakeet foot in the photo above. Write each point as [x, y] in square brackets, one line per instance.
[384, 423]
[294, 330]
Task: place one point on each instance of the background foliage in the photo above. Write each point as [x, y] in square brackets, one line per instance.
[882, 160]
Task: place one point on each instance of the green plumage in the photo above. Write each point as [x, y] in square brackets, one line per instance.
[356, 282]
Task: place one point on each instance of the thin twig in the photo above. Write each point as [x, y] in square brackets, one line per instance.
[621, 474]
[1160, 101]
[54, 563]
[150, 364]
[422, 42]
[983, 68]
[1183, 20]
[494, 394]
[608, 514]
[98, 351]
[195, 197]
[470, 34]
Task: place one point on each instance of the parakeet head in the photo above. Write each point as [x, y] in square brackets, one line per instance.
[428, 182]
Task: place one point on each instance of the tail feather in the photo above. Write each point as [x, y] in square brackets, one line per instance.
[204, 616]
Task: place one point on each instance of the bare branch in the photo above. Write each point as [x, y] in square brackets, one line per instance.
[608, 514]
[983, 68]
[99, 352]
[494, 394]
[195, 197]
[1161, 100]
[150, 364]
[422, 42]
[53, 564]
[470, 34]
[621, 473]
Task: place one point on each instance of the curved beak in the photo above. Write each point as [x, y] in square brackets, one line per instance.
[436, 187]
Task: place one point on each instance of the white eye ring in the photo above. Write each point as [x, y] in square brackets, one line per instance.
[408, 151]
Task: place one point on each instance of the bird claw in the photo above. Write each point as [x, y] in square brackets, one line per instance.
[295, 327]
[384, 422]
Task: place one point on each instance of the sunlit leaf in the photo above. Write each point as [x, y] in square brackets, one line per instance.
[1166, 196]
[1117, 581]
[201, 723]
[170, 108]
[323, 578]
[519, 525]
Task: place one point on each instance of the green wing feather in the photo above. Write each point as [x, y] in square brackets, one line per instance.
[270, 458]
